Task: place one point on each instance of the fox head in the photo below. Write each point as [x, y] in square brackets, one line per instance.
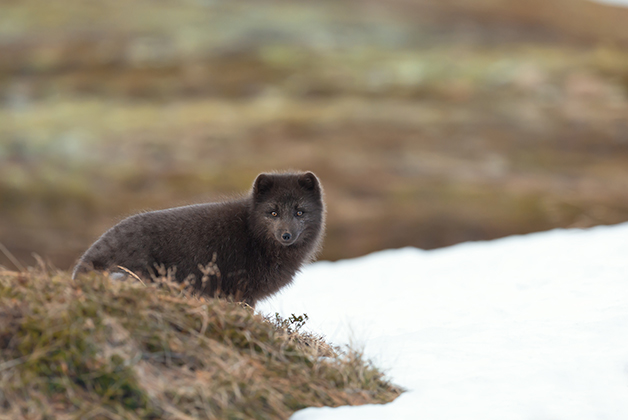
[288, 208]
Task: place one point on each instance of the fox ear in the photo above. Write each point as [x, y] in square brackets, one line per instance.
[263, 183]
[309, 182]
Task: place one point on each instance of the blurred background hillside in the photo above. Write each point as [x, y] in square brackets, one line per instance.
[429, 122]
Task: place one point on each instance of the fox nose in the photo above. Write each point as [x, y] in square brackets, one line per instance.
[286, 236]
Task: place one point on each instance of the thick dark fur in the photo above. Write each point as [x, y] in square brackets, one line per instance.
[258, 242]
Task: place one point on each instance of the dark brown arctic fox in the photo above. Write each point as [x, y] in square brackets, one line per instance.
[257, 242]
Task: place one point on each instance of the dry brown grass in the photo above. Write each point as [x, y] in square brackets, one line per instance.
[96, 348]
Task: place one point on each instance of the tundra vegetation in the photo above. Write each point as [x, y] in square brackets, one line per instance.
[102, 349]
[429, 122]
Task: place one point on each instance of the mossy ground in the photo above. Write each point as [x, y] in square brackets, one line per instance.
[98, 348]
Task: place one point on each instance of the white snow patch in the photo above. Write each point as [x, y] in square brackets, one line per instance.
[613, 2]
[530, 327]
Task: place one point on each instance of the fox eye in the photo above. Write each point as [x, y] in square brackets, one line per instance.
[299, 213]
[274, 213]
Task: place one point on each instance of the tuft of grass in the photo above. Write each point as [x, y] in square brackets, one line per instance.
[98, 348]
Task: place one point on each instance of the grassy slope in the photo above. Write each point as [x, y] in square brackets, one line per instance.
[95, 348]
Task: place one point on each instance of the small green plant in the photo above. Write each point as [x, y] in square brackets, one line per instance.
[293, 323]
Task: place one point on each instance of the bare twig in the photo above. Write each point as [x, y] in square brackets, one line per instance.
[12, 363]
[11, 258]
[131, 273]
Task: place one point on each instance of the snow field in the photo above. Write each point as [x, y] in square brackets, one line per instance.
[526, 327]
